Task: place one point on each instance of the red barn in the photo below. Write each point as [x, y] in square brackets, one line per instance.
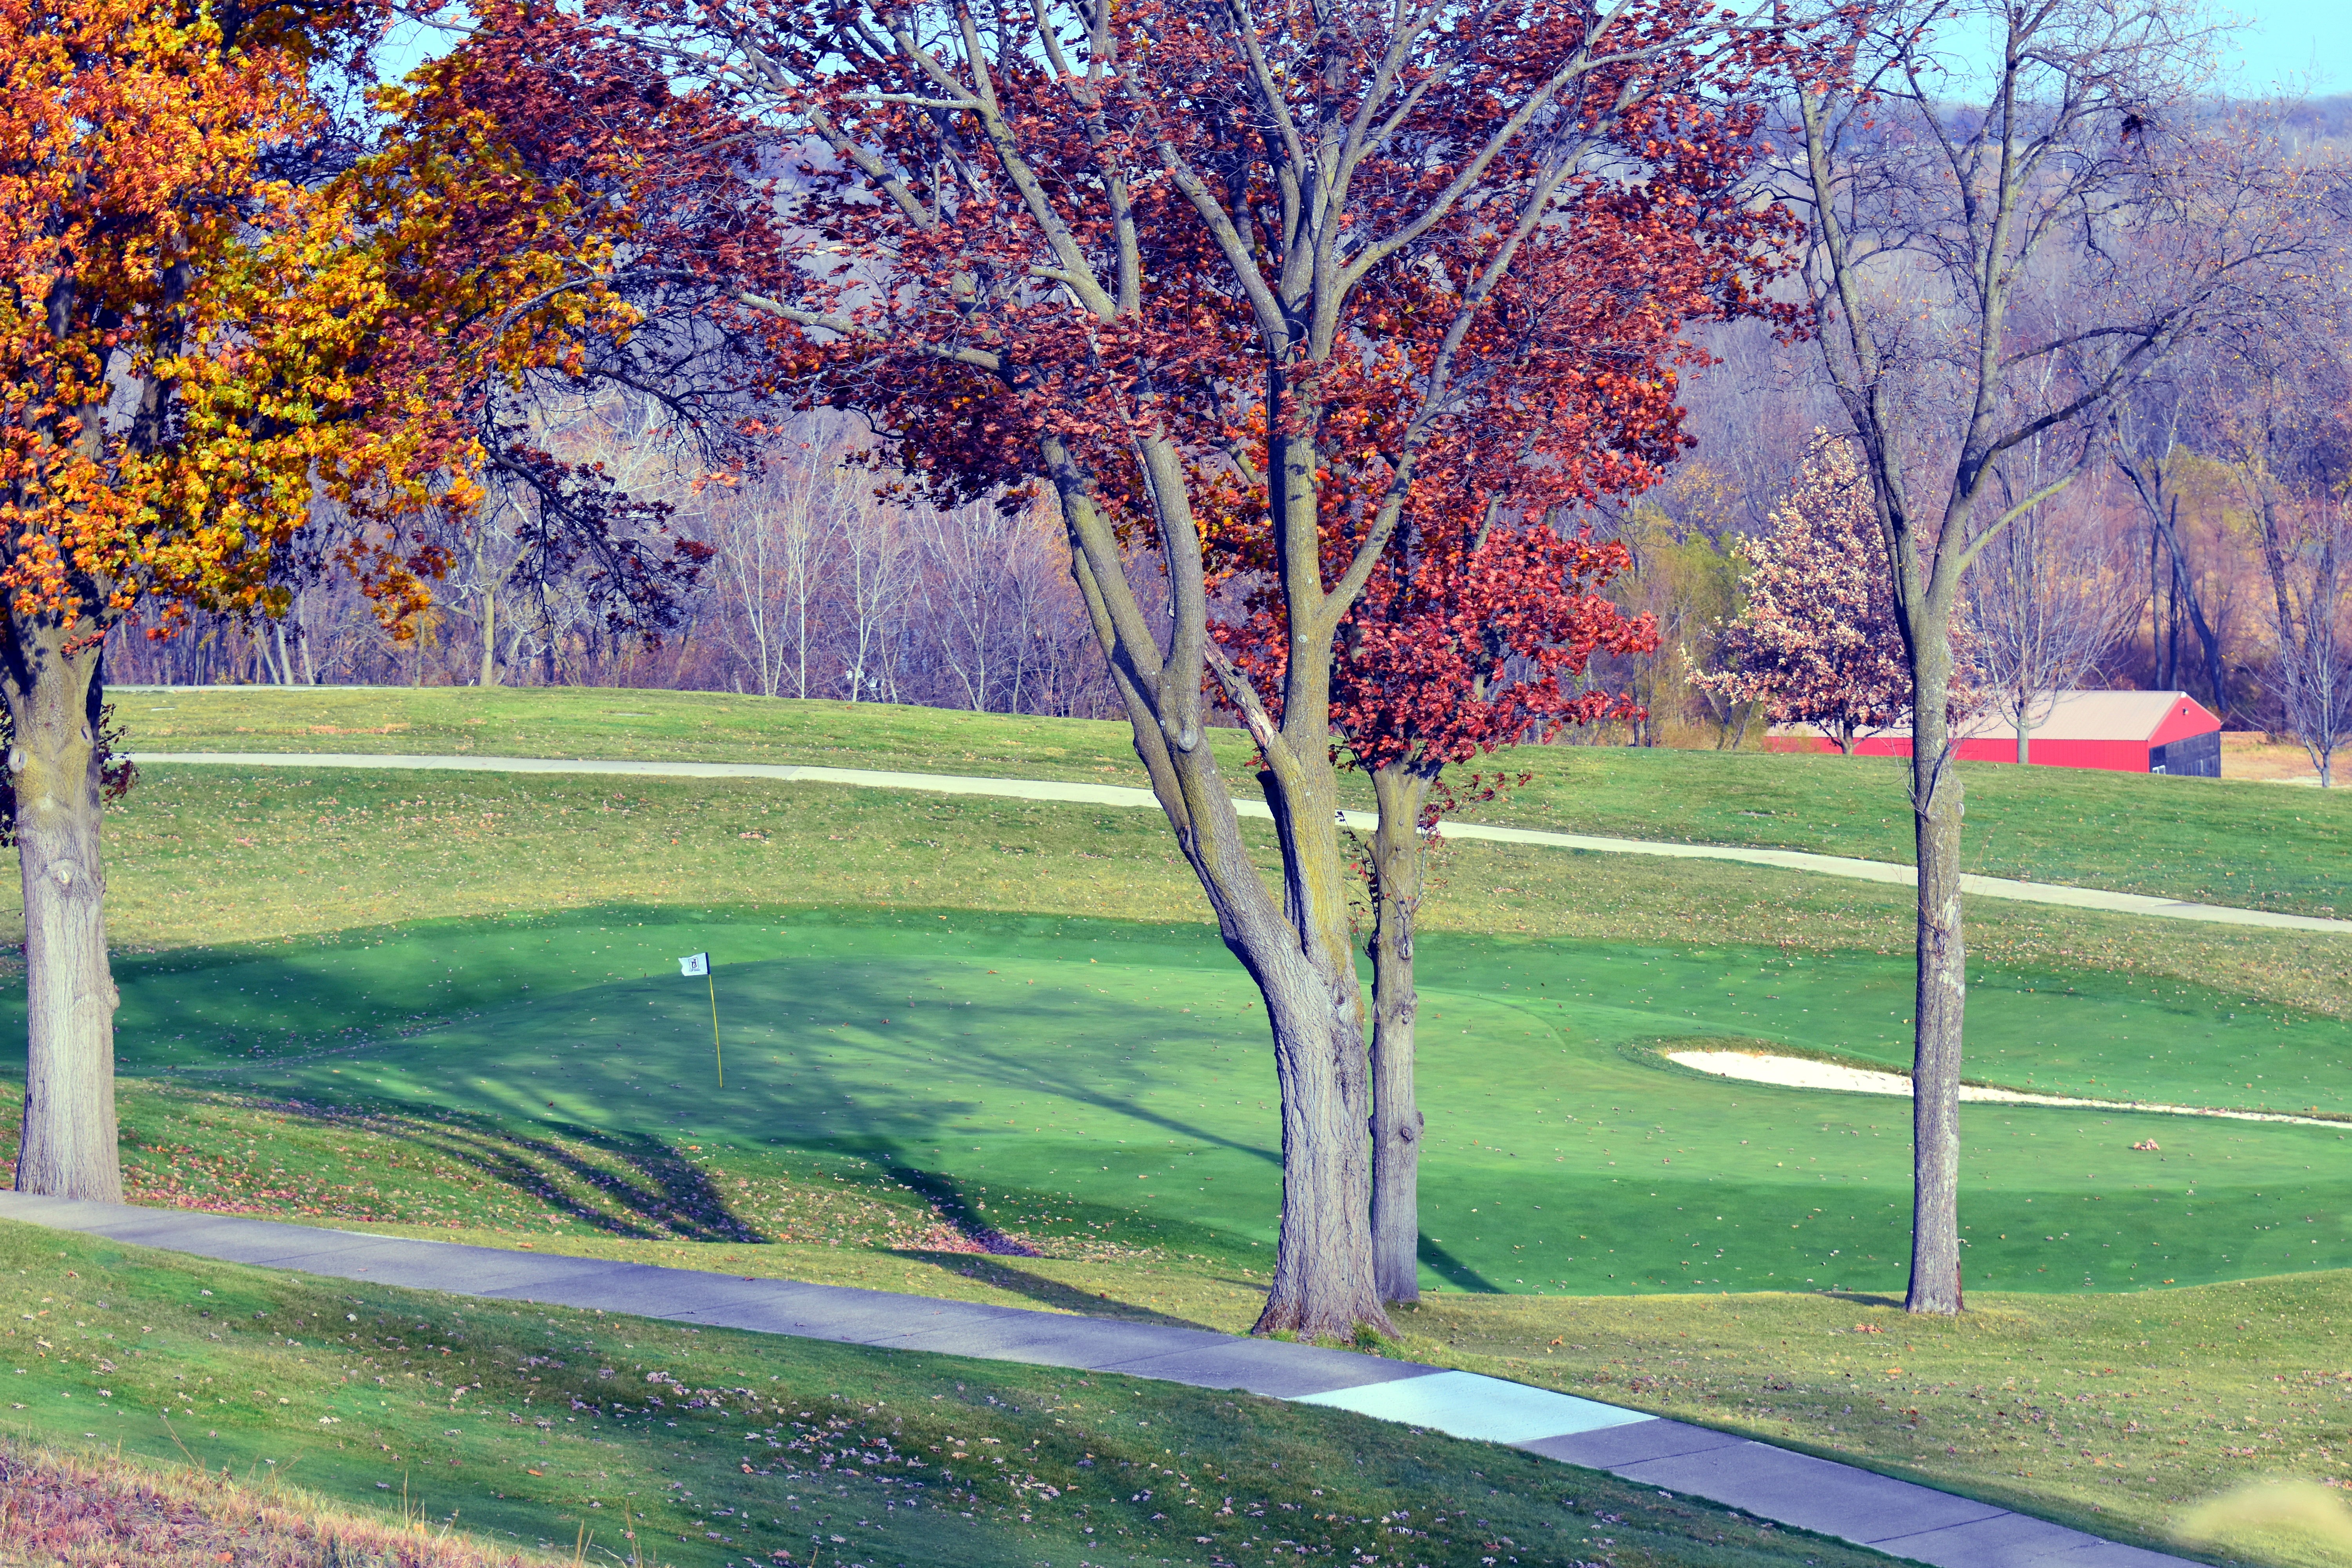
[2121, 731]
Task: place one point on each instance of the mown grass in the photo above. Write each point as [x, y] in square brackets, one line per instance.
[1100, 1089]
[2250, 844]
[295, 864]
[534, 1426]
[1977, 1405]
[200, 855]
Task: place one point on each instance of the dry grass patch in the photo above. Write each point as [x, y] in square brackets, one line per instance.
[61, 1510]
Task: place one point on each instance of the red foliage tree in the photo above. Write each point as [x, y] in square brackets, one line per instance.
[1486, 606]
[1084, 246]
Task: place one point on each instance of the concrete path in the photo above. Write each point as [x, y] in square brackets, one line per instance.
[1873, 1510]
[1122, 795]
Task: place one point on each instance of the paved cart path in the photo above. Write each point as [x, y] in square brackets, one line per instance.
[1122, 795]
[1874, 1510]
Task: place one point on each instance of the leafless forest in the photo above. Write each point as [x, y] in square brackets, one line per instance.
[2204, 544]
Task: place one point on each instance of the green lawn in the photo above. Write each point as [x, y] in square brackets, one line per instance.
[202, 855]
[530, 1425]
[2257, 845]
[325, 1017]
[1096, 1083]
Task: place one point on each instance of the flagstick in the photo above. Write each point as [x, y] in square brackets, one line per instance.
[721, 1060]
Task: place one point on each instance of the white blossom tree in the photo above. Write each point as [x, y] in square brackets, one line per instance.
[1817, 642]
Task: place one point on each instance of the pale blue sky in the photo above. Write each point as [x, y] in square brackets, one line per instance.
[2300, 44]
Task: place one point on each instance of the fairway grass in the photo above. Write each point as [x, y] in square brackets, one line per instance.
[2254, 845]
[449, 1007]
[529, 1426]
[1105, 1084]
[202, 855]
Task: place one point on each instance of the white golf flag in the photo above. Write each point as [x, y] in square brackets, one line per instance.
[695, 963]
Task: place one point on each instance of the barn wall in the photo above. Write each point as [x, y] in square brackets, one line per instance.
[2110, 756]
[2187, 719]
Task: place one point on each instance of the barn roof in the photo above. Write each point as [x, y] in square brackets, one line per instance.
[2099, 716]
[2134, 716]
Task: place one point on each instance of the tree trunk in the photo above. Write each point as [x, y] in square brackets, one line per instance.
[69, 1143]
[1397, 851]
[2184, 590]
[1295, 947]
[1325, 1284]
[1941, 1004]
[490, 676]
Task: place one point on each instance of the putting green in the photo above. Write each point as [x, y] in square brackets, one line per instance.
[1063, 1077]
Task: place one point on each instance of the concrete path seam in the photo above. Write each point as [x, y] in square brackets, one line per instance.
[1892, 1516]
[1128, 797]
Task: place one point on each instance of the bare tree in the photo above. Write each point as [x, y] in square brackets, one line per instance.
[1939, 231]
[2307, 552]
[770, 539]
[879, 571]
[2286, 430]
[978, 590]
[2048, 599]
[2146, 426]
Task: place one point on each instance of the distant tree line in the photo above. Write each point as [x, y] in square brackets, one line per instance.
[2203, 548]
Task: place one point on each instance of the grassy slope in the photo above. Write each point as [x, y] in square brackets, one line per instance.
[206, 855]
[484, 848]
[1096, 1085]
[530, 1424]
[2112, 1412]
[70, 1508]
[2248, 843]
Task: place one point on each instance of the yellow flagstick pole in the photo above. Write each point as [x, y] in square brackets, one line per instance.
[715, 1054]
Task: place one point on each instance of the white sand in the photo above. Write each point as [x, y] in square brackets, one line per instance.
[1796, 1072]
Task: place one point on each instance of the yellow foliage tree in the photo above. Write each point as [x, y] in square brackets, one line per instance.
[196, 353]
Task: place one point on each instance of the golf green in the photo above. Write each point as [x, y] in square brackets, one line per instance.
[1061, 1078]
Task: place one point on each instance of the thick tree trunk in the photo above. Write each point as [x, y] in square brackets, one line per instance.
[69, 1143]
[1397, 851]
[1941, 1004]
[1325, 1285]
[1295, 944]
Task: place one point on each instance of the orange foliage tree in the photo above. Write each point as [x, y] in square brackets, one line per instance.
[195, 352]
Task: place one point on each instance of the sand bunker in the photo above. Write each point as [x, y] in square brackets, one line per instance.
[1796, 1072]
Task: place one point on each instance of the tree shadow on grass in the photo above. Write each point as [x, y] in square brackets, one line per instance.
[1456, 1272]
[1865, 1298]
[991, 1246]
[1054, 1293]
[948, 1201]
[644, 1189]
